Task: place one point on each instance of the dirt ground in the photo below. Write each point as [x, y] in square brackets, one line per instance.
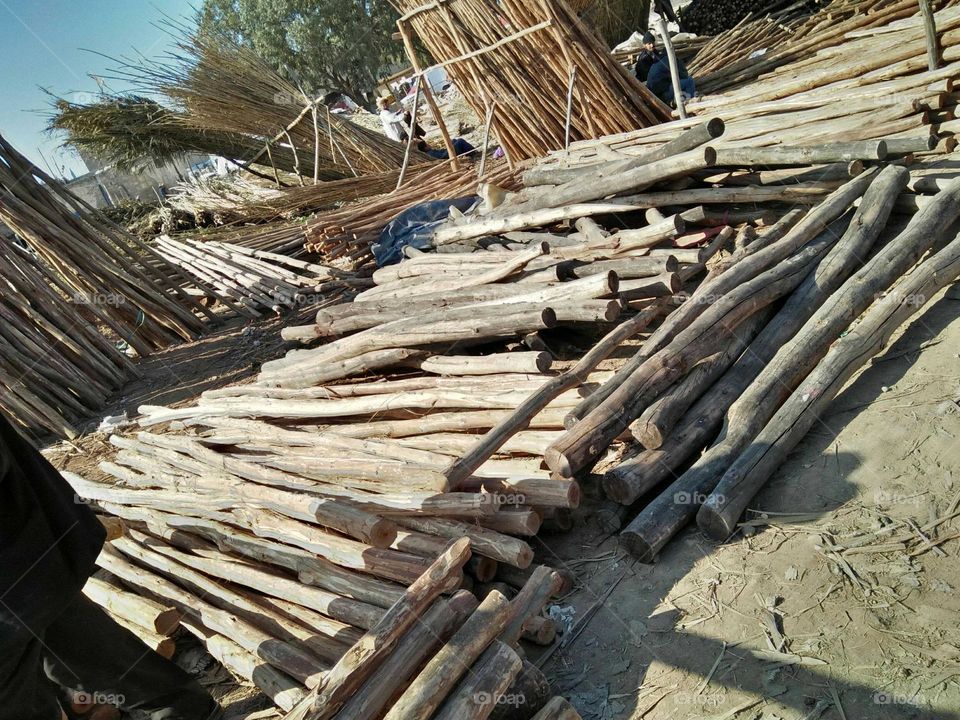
[680, 638]
[876, 631]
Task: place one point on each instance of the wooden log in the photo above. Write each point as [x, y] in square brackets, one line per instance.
[542, 585]
[370, 652]
[527, 695]
[464, 467]
[494, 364]
[540, 630]
[747, 474]
[416, 647]
[846, 304]
[490, 543]
[930, 33]
[688, 140]
[440, 676]
[163, 645]
[517, 578]
[800, 155]
[483, 688]
[280, 688]
[160, 619]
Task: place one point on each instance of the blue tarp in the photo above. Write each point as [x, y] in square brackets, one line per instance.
[414, 227]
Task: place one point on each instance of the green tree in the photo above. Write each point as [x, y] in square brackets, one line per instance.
[323, 45]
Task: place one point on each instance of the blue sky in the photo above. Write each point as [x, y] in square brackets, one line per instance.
[44, 46]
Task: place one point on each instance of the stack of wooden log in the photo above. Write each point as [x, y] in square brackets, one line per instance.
[370, 620]
[871, 87]
[712, 17]
[515, 62]
[92, 259]
[760, 47]
[251, 281]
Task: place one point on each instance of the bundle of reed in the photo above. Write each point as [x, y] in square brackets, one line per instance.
[221, 86]
[130, 131]
[234, 199]
[56, 368]
[251, 281]
[346, 234]
[519, 61]
[125, 284]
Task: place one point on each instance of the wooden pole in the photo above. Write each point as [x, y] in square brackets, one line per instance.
[428, 95]
[674, 66]
[930, 31]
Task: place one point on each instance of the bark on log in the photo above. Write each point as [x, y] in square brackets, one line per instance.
[372, 649]
[760, 459]
[677, 505]
[483, 688]
[420, 643]
[435, 682]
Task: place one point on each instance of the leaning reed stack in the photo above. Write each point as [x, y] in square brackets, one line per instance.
[222, 87]
[520, 61]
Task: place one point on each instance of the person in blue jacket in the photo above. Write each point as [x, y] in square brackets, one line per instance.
[660, 83]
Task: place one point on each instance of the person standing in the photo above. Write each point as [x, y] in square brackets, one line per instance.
[51, 635]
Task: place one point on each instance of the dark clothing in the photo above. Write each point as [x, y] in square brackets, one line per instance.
[50, 633]
[660, 83]
[85, 650]
[48, 539]
[645, 61]
[460, 147]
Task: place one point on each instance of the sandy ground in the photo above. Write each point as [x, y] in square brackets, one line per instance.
[677, 639]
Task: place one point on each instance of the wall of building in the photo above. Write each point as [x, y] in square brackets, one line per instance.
[106, 186]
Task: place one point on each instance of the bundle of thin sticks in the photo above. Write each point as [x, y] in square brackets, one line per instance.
[93, 259]
[56, 368]
[223, 87]
[251, 281]
[518, 61]
[233, 199]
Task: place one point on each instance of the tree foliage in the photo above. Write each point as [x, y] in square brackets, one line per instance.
[323, 45]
